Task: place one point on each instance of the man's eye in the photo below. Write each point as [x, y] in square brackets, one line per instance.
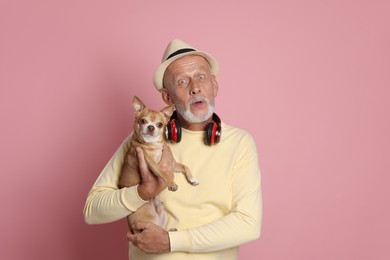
[182, 82]
[143, 121]
[201, 76]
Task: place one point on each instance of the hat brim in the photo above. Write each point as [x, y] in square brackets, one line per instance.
[159, 74]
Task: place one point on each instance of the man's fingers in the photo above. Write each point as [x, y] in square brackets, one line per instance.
[142, 163]
[167, 162]
[166, 153]
[132, 238]
[152, 239]
[140, 155]
[138, 227]
[129, 236]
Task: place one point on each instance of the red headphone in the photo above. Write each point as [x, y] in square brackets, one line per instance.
[212, 135]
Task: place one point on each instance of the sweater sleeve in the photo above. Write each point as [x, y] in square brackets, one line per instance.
[241, 225]
[105, 201]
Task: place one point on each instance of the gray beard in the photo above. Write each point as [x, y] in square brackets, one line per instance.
[190, 117]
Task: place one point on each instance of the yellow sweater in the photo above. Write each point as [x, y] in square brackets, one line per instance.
[213, 218]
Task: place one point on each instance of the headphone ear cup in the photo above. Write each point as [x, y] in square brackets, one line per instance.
[178, 131]
[210, 133]
[173, 131]
[168, 131]
[213, 133]
[217, 134]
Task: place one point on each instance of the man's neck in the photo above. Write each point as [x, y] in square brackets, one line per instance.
[194, 126]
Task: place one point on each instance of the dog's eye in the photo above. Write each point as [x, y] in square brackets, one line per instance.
[159, 125]
[143, 121]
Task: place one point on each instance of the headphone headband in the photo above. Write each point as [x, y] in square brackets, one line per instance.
[213, 130]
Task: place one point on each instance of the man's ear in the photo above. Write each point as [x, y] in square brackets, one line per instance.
[216, 86]
[166, 97]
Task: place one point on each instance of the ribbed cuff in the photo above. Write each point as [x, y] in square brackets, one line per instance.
[180, 241]
[131, 199]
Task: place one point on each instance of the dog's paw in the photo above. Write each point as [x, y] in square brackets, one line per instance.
[194, 181]
[173, 187]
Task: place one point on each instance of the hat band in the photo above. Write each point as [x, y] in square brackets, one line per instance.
[180, 52]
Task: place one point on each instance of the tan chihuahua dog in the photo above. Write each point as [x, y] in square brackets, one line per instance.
[148, 134]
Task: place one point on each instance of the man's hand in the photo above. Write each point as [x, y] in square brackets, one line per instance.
[167, 163]
[151, 185]
[149, 238]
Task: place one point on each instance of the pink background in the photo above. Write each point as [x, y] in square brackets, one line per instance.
[309, 79]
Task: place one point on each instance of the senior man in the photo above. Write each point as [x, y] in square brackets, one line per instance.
[225, 209]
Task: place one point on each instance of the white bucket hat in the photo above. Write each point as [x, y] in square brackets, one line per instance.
[175, 50]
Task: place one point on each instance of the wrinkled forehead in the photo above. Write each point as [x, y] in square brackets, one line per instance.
[187, 64]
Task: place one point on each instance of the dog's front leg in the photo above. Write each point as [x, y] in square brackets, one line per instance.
[186, 171]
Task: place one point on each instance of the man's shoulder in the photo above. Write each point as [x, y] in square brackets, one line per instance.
[234, 130]
[236, 133]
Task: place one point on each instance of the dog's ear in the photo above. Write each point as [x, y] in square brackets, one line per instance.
[168, 111]
[138, 105]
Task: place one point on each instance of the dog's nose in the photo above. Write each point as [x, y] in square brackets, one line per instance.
[151, 128]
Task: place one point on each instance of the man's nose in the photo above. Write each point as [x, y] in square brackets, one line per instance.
[194, 88]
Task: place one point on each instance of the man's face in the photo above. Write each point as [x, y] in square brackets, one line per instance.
[190, 85]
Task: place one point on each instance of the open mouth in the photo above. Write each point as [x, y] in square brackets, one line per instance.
[197, 101]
